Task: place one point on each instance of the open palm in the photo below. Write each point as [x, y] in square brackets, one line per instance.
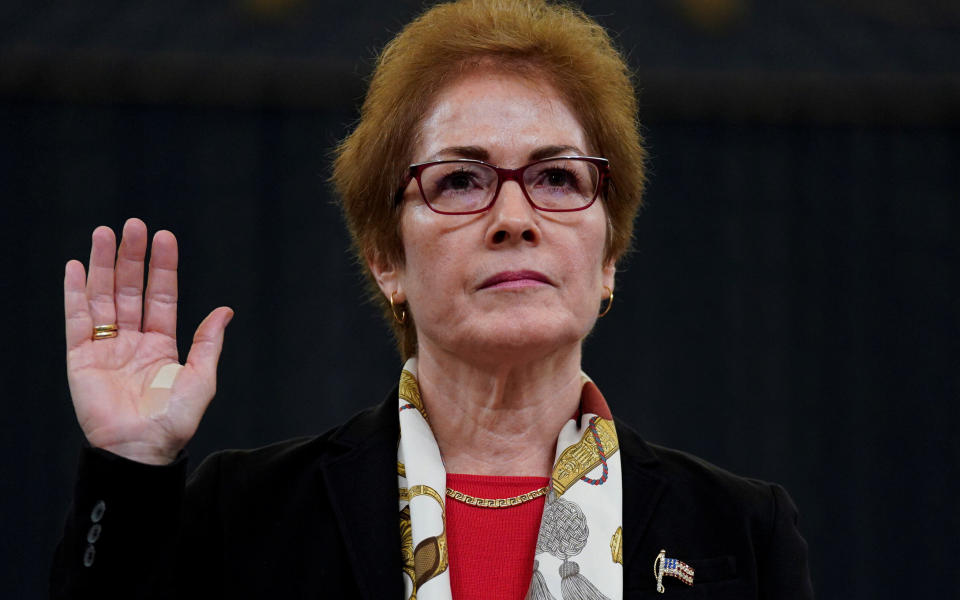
[129, 393]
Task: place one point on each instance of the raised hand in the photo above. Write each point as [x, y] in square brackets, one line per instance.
[131, 395]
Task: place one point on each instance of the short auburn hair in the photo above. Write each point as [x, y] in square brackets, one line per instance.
[551, 41]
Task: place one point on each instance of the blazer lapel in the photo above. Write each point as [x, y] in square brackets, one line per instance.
[642, 489]
[362, 485]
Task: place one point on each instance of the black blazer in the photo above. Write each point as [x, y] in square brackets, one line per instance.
[317, 518]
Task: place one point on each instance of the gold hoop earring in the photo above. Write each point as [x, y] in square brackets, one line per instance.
[393, 309]
[609, 302]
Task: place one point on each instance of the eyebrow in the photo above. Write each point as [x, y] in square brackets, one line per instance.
[548, 151]
[479, 153]
[473, 152]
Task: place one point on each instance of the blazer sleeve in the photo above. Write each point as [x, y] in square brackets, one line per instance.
[784, 572]
[134, 532]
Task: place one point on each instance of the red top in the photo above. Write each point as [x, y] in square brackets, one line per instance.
[491, 549]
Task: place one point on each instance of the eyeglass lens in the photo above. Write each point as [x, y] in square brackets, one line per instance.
[562, 184]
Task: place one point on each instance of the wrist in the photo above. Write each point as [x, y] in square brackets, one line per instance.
[142, 453]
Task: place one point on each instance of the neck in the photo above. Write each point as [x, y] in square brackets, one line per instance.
[500, 419]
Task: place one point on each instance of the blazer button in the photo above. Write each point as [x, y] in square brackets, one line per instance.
[98, 511]
[89, 555]
[94, 534]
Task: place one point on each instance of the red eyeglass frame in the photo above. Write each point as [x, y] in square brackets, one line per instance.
[503, 175]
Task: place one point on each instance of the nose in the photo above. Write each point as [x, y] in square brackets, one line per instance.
[512, 218]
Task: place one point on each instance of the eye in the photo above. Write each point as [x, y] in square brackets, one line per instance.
[459, 180]
[558, 178]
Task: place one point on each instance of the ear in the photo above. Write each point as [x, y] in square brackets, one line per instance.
[388, 276]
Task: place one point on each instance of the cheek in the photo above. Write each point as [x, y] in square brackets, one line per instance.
[417, 247]
[593, 246]
[431, 273]
[437, 251]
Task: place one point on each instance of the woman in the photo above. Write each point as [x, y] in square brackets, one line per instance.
[490, 229]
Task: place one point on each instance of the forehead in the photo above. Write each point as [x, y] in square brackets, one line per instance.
[507, 115]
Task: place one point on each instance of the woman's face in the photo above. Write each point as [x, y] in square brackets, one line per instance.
[512, 282]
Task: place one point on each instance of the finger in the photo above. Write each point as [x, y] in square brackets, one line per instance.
[76, 309]
[208, 341]
[103, 250]
[128, 282]
[160, 302]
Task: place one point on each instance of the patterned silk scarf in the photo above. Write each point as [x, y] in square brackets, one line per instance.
[578, 555]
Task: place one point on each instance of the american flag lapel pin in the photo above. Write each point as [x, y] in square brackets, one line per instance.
[671, 567]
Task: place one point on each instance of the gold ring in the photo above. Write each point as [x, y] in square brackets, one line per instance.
[103, 332]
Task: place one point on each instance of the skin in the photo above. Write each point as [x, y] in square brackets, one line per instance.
[110, 379]
[499, 367]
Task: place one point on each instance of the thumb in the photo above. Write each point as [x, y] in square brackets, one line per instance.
[208, 341]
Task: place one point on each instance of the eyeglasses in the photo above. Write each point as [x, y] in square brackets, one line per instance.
[467, 186]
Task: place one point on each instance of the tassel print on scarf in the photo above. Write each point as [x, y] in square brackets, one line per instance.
[575, 586]
[563, 534]
[538, 587]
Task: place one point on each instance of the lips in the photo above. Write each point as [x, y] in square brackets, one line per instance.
[515, 279]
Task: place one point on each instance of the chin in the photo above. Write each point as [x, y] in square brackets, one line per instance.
[521, 338]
